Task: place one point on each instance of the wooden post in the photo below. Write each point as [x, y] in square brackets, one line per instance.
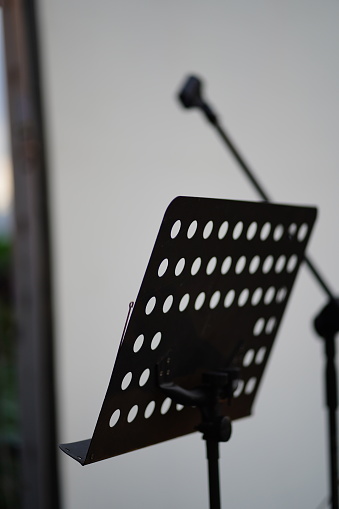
[32, 260]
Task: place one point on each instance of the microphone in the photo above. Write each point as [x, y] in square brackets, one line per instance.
[190, 97]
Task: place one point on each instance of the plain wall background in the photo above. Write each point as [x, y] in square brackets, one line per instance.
[121, 148]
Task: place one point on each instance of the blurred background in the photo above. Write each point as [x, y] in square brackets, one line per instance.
[92, 104]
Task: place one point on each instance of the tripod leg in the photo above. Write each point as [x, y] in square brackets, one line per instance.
[212, 448]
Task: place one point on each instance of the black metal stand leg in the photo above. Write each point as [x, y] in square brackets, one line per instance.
[212, 448]
[327, 326]
[333, 457]
[332, 403]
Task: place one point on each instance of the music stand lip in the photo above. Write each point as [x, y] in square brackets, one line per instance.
[77, 450]
[214, 334]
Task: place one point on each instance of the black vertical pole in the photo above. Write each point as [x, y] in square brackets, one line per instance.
[212, 448]
[332, 404]
[326, 325]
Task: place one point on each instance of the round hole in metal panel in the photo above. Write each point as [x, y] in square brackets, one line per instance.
[223, 230]
[252, 230]
[269, 295]
[281, 294]
[196, 266]
[192, 229]
[150, 305]
[254, 265]
[260, 356]
[211, 265]
[237, 231]
[302, 232]
[278, 232]
[292, 230]
[162, 267]
[256, 297]
[226, 265]
[132, 413]
[114, 418]
[207, 230]
[144, 377]
[248, 358]
[265, 231]
[199, 302]
[292, 263]
[184, 302]
[250, 385]
[126, 381]
[239, 388]
[138, 343]
[175, 229]
[270, 326]
[259, 327]
[243, 297]
[167, 304]
[280, 264]
[268, 263]
[215, 299]
[156, 341]
[179, 267]
[166, 405]
[240, 265]
[229, 298]
[149, 409]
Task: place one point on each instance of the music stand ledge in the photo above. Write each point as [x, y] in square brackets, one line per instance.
[202, 327]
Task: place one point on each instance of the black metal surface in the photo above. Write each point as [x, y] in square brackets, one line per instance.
[221, 333]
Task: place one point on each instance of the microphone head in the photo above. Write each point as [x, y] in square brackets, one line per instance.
[190, 95]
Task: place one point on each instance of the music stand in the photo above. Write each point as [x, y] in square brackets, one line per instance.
[202, 327]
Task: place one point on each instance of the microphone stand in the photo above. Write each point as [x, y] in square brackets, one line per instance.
[326, 322]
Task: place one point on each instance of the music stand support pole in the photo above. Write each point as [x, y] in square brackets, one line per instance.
[216, 427]
[212, 449]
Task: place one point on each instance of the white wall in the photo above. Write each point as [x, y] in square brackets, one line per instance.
[121, 149]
